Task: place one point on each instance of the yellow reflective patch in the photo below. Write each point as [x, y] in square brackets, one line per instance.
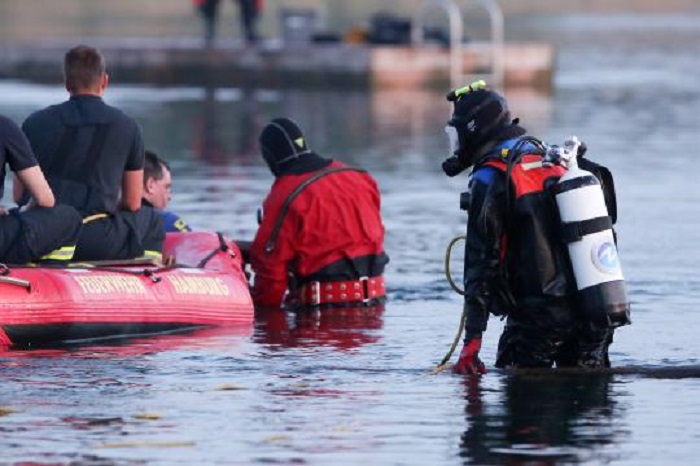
[153, 254]
[108, 284]
[199, 285]
[299, 142]
[475, 86]
[180, 224]
[64, 253]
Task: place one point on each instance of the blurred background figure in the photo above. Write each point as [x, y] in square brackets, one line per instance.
[208, 10]
[249, 11]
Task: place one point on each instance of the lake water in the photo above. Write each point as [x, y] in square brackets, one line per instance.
[358, 389]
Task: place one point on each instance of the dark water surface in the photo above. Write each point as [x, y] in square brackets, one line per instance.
[359, 389]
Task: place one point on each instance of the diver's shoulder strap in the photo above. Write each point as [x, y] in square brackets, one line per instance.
[270, 246]
[607, 184]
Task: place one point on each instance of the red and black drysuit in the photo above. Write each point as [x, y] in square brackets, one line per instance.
[517, 265]
[329, 236]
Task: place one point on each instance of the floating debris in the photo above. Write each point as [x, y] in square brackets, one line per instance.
[148, 416]
[148, 444]
[229, 387]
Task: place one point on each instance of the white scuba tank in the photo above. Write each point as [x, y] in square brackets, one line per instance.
[587, 230]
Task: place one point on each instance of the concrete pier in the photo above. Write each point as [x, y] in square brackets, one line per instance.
[186, 62]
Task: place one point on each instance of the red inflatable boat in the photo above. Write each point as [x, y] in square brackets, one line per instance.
[203, 285]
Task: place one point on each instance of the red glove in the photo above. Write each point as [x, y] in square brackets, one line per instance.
[469, 362]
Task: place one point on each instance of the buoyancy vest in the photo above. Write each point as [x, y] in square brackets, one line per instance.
[534, 259]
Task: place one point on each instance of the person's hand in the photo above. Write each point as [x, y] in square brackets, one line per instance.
[469, 362]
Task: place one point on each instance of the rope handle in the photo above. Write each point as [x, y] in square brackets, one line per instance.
[463, 320]
[448, 273]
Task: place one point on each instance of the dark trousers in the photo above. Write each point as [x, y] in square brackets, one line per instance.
[209, 10]
[122, 235]
[531, 341]
[249, 16]
[29, 236]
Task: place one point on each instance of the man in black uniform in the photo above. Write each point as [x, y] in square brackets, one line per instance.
[91, 151]
[43, 230]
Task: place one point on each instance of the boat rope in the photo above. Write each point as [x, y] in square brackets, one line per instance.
[5, 271]
[223, 247]
[463, 320]
[448, 273]
[26, 284]
[151, 273]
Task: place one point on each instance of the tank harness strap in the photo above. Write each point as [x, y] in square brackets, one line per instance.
[270, 246]
[575, 231]
[575, 183]
[510, 157]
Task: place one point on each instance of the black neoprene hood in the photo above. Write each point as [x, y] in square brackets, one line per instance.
[282, 141]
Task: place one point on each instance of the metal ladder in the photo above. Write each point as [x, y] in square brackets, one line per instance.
[455, 17]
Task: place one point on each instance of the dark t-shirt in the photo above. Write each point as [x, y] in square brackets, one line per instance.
[14, 150]
[84, 146]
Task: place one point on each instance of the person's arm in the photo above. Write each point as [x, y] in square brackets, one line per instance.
[132, 179]
[132, 190]
[270, 268]
[270, 284]
[33, 180]
[17, 189]
[483, 252]
[482, 264]
[27, 176]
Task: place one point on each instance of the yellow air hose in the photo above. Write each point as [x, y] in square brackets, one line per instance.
[443, 364]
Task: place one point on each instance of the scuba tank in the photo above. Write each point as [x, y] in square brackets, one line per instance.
[587, 231]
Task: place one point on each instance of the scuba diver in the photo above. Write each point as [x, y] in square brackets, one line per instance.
[540, 249]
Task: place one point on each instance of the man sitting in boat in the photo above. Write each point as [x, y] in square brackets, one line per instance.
[157, 192]
[90, 151]
[43, 230]
[321, 236]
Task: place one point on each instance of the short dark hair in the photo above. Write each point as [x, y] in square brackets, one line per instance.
[153, 166]
[83, 68]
